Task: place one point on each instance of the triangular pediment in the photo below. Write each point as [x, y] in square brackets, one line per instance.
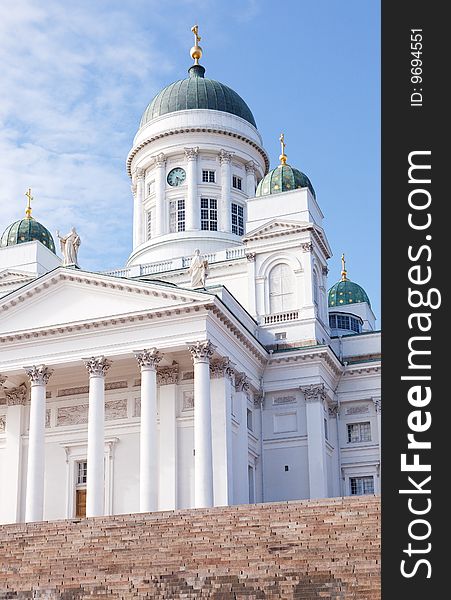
[66, 296]
[277, 227]
[280, 227]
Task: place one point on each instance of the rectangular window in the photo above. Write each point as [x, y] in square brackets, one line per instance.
[209, 214]
[177, 215]
[361, 485]
[237, 182]
[333, 322]
[237, 219]
[149, 224]
[342, 322]
[82, 470]
[150, 187]
[359, 432]
[326, 430]
[249, 419]
[355, 325]
[208, 176]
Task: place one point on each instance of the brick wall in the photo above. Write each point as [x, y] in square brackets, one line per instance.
[286, 550]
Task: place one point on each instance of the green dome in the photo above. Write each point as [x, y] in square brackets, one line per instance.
[27, 230]
[283, 178]
[197, 91]
[347, 292]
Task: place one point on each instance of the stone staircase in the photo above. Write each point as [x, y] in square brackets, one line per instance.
[286, 550]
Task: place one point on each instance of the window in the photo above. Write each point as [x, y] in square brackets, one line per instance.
[281, 289]
[359, 432]
[361, 485]
[177, 215]
[82, 470]
[345, 322]
[250, 477]
[237, 219]
[249, 419]
[149, 224]
[281, 335]
[208, 177]
[326, 430]
[209, 214]
[237, 182]
[315, 289]
[150, 187]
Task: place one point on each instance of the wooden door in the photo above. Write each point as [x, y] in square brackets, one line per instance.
[80, 503]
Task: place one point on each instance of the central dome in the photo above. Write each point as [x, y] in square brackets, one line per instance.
[197, 92]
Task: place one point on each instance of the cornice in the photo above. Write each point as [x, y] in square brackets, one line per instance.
[323, 355]
[215, 130]
[369, 369]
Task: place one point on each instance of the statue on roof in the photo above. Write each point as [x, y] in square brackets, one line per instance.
[70, 244]
[198, 270]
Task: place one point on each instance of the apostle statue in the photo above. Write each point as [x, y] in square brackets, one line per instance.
[69, 247]
[198, 270]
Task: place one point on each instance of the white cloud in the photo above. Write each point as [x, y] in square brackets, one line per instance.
[74, 81]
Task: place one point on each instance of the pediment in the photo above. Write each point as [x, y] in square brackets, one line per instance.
[277, 227]
[66, 296]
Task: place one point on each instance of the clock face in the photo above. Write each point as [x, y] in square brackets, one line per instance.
[177, 176]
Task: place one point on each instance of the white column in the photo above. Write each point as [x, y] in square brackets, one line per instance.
[252, 286]
[160, 195]
[307, 266]
[250, 179]
[225, 159]
[221, 372]
[242, 442]
[34, 506]
[192, 209]
[138, 200]
[315, 397]
[97, 366]
[203, 463]
[10, 495]
[148, 455]
[167, 378]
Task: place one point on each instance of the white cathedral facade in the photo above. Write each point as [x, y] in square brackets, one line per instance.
[142, 389]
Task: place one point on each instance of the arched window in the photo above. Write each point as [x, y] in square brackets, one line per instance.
[281, 289]
[315, 289]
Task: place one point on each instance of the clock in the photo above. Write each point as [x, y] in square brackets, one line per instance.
[177, 176]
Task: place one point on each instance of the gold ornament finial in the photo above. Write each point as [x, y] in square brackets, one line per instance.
[344, 273]
[196, 50]
[283, 156]
[28, 209]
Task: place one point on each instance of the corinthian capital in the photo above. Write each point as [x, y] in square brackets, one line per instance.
[16, 396]
[250, 167]
[192, 153]
[140, 173]
[377, 404]
[2, 380]
[222, 367]
[38, 375]
[168, 375]
[241, 382]
[97, 366]
[160, 159]
[201, 351]
[148, 358]
[314, 392]
[225, 157]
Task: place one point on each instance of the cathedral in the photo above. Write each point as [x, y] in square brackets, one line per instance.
[217, 366]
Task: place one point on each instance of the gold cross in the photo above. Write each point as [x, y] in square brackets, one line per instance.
[195, 30]
[283, 156]
[30, 198]
[344, 273]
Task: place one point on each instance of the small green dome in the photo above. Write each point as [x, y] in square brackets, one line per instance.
[283, 178]
[27, 230]
[197, 91]
[347, 292]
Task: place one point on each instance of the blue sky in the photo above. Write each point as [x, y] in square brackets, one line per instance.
[77, 76]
